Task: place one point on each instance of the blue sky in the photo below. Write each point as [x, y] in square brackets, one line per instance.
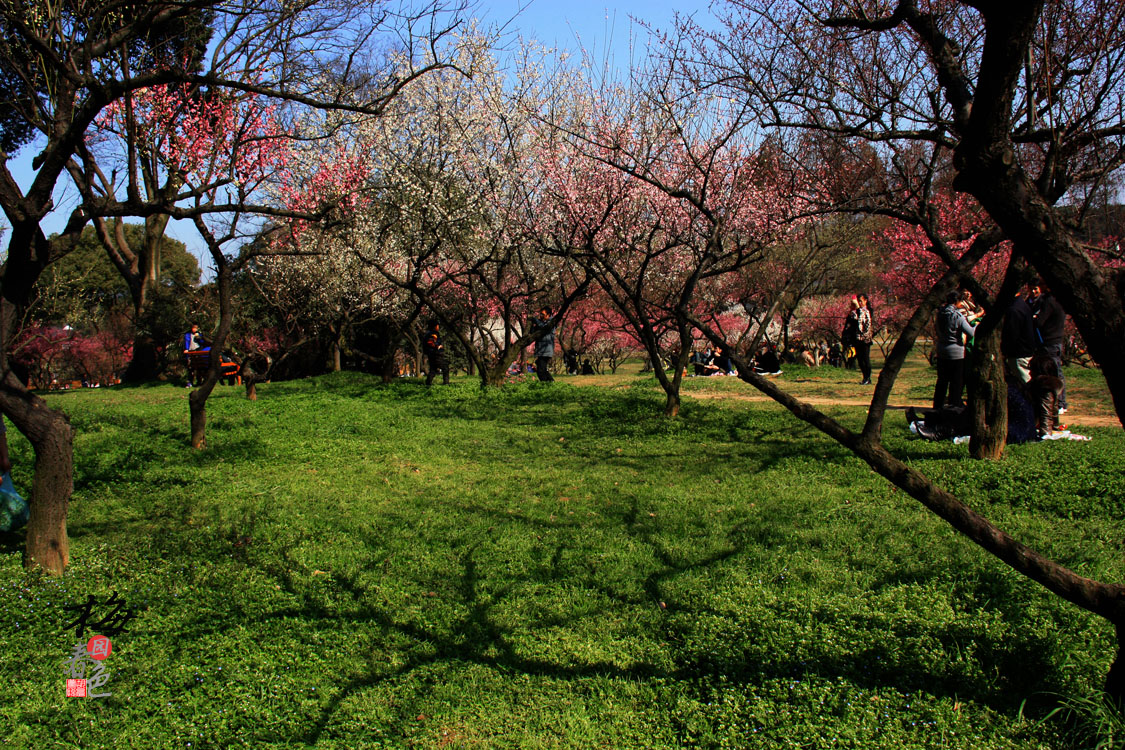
[567, 23]
[597, 27]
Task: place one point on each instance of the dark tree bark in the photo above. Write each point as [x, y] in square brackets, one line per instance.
[988, 396]
[197, 399]
[49, 432]
[140, 268]
[1104, 599]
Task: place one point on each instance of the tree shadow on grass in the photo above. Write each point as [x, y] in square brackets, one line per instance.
[479, 635]
[481, 632]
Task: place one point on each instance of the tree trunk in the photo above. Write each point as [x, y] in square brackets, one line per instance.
[142, 366]
[51, 436]
[472, 342]
[672, 404]
[47, 543]
[337, 347]
[48, 431]
[387, 371]
[197, 406]
[197, 400]
[988, 396]
[140, 269]
[990, 172]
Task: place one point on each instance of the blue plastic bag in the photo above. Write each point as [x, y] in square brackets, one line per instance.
[13, 508]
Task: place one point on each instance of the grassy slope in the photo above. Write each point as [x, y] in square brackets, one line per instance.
[352, 565]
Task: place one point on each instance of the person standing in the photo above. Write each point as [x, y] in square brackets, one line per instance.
[1019, 339]
[848, 335]
[544, 345]
[434, 350]
[951, 325]
[1050, 320]
[864, 335]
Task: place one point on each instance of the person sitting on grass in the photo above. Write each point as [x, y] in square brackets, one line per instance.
[766, 361]
[954, 421]
[698, 363]
[721, 364]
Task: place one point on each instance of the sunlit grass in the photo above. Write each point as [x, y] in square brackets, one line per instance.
[358, 565]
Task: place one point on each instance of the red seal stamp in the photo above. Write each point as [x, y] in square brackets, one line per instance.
[99, 647]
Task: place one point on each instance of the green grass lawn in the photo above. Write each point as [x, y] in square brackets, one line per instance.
[353, 565]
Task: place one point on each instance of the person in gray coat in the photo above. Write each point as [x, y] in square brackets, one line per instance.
[951, 332]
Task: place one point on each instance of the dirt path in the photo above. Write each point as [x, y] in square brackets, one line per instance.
[1070, 418]
[1083, 420]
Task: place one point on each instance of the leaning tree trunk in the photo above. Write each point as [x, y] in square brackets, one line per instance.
[48, 431]
[988, 396]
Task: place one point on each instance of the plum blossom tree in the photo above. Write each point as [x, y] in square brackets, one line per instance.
[594, 329]
[660, 203]
[1022, 101]
[448, 223]
[64, 63]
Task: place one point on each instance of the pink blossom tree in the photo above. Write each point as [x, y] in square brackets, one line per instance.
[660, 205]
[68, 64]
[1018, 104]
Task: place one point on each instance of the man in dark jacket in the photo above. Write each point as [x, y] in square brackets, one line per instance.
[544, 346]
[1019, 339]
[435, 354]
[1050, 319]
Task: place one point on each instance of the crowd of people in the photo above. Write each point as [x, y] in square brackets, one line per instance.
[1032, 346]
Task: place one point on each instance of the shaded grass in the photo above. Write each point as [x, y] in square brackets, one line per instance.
[357, 565]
